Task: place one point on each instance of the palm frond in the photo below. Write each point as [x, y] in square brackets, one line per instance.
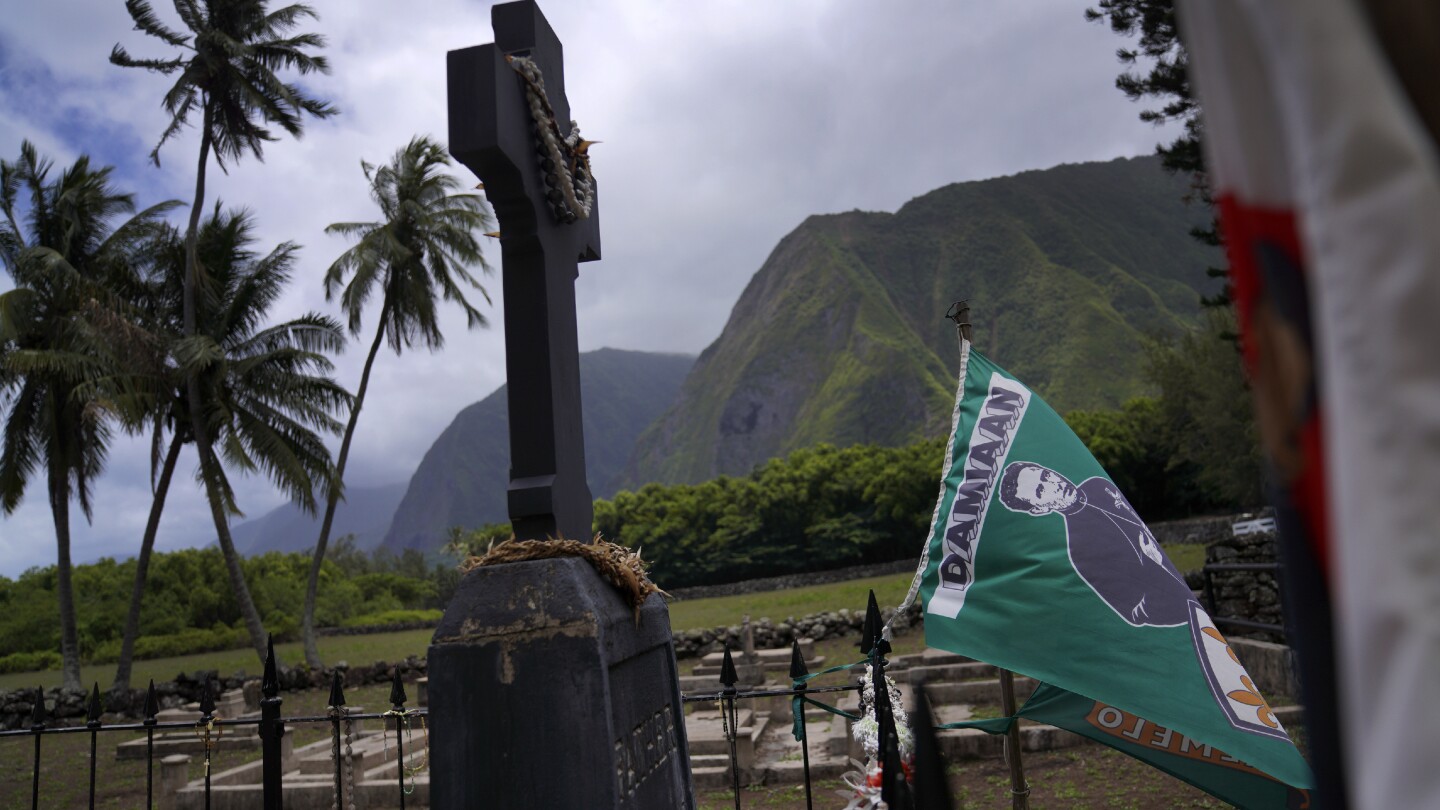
[312, 333]
[418, 253]
[196, 354]
[119, 56]
[145, 20]
[182, 98]
[20, 453]
[278, 54]
[284, 19]
[192, 15]
[17, 311]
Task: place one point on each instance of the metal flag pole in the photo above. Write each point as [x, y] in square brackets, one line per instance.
[959, 312]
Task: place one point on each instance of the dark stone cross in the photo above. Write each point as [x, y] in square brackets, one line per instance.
[547, 689]
[491, 133]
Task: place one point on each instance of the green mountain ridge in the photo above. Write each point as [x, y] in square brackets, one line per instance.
[463, 478]
[839, 336]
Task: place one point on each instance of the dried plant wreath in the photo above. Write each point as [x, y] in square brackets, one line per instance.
[619, 565]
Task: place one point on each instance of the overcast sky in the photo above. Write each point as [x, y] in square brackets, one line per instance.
[724, 124]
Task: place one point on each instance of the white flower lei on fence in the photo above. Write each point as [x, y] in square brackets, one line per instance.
[865, 781]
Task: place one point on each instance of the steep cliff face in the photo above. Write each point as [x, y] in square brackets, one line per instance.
[839, 336]
[463, 477]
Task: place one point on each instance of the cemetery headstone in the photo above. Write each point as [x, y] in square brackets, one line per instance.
[547, 689]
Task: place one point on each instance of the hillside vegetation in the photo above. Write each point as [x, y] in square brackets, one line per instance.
[1189, 449]
[839, 337]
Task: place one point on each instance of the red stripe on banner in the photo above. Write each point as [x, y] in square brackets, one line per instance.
[1264, 243]
[1244, 227]
[1307, 492]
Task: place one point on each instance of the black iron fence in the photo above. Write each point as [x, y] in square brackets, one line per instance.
[729, 697]
[913, 783]
[210, 728]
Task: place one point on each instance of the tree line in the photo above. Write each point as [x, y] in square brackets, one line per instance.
[120, 321]
[818, 508]
[190, 608]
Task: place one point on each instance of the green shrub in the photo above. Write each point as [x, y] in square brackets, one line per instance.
[282, 626]
[184, 642]
[188, 591]
[391, 617]
[30, 661]
[106, 652]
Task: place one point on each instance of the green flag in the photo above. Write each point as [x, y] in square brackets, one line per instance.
[1036, 562]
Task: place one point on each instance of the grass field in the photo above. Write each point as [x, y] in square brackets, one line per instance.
[1186, 556]
[797, 602]
[367, 649]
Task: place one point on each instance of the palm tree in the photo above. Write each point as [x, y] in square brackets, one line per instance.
[61, 263]
[268, 388]
[420, 250]
[235, 49]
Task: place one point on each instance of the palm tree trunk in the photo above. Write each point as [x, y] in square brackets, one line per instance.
[142, 568]
[209, 465]
[236, 572]
[69, 638]
[192, 256]
[312, 586]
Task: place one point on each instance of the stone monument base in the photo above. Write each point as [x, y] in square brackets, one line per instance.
[546, 691]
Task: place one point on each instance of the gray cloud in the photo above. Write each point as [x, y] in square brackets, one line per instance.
[724, 124]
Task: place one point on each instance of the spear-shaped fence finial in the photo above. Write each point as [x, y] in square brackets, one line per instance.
[92, 708]
[270, 681]
[798, 669]
[207, 701]
[37, 715]
[728, 678]
[337, 691]
[397, 692]
[152, 705]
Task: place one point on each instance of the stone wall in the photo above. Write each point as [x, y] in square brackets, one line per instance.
[770, 635]
[1252, 595]
[68, 708]
[1200, 530]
